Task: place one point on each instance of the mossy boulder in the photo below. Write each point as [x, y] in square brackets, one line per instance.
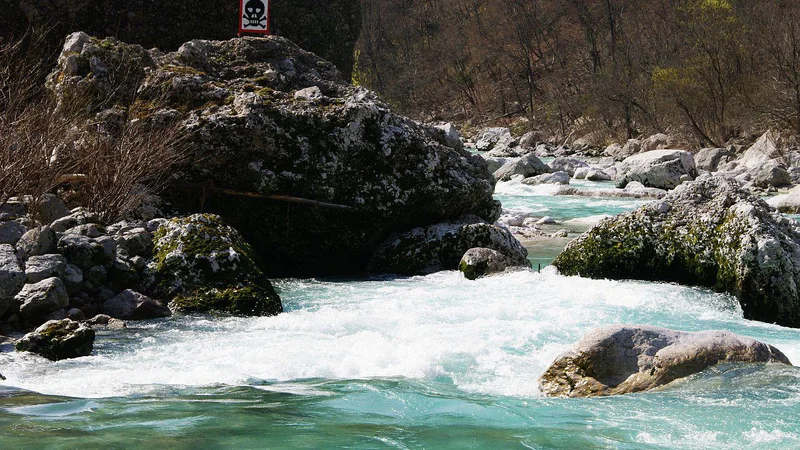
[440, 247]
[708, 233]
[59, 339]
[202, 264]
[314, 183]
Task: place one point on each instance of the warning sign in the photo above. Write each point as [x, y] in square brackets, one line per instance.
[254, 16]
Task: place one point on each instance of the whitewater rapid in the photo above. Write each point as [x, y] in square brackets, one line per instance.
[493, 336]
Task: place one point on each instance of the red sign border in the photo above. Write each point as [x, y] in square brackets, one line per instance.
[241, 15]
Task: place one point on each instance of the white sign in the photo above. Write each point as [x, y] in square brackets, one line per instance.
[254, 16]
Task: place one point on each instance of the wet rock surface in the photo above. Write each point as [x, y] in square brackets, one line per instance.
[623, 359]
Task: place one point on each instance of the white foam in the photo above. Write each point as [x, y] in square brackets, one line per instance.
[493, 336]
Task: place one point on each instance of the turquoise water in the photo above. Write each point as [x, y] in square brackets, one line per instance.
[423, 362]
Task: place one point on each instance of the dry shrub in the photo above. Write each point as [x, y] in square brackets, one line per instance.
[119, 171]
[30, 135]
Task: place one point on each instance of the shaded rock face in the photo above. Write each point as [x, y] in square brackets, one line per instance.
[59, 339]
[622, 359]
[440, 247]
[662, 169]
[131, 305]
[709, 159]
[235, 100]
[708, 233]
[329, 28]
[12, 276]
[480, 262]
[202, 264]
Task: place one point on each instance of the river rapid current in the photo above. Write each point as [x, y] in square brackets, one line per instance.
[424, 362]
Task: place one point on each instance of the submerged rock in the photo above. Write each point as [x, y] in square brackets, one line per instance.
[621, 359]
[440, 247]
[202, 264]
[59, 339]
[313, 185]
[709, 233]
[480, 262]
[662, 169]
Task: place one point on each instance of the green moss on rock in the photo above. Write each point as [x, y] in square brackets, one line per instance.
[205, 265]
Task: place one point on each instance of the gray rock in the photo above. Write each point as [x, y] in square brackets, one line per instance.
[51, 208]
[11, 232]
[713, 234]
[38, 241]
[12, 276]
[131, 305]
[709, 159]
[771, 174]
[91, 230]
[580, 173]
[660, 169]
[76, 218]
[76, 315]
[39, 299]
[480, 262]
[765, 149]
[310, 94]
[597, 175]
[86, 252]
[530, 140]
[568, 165]
[440, 247]
[96, 276]
[503, 151]
[489, 138]
[41, 267]
[12, 209]
[622, 359]
[659, 141]
[59, 339]
[494, 162]
[73, 279]
[452, 137]
[136, 241]
[548, 178]
[546, 220]
[527, 166]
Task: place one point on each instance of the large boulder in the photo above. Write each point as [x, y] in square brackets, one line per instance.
[440, 247]
[526, 166]
[622, 359]
[481, 262]
[765, 149]
[12, 276]
[202, 264]
[59, 339]
[86, 252]
[313, 183]
[450, 135]
[40, 299]
[662, 169]
[131, 305]
[709, 233]
[771, 173]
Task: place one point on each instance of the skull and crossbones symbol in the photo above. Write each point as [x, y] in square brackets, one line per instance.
[254, 14]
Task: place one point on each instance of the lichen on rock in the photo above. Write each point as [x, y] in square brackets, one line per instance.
[203, 264]
[709, 233]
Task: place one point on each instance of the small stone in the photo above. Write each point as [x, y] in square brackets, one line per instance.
[76, 314]
[546, 220]
[131, 305]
